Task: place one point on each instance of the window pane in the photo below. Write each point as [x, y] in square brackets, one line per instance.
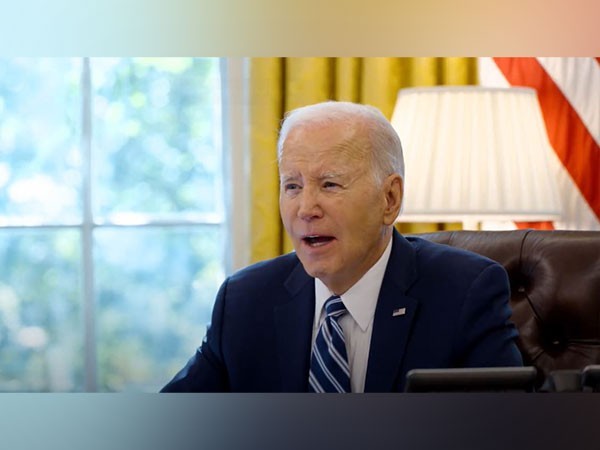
[157, 144]
[155, 290]
[41, 330]
[40, 159]
[156, 152]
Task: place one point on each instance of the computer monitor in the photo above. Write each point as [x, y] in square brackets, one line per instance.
[478, 379]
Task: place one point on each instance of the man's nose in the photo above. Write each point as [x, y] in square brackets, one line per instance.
[309, 207]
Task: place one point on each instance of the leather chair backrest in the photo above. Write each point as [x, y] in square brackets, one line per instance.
[555, 290]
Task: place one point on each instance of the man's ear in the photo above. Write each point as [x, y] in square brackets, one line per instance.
[394, 193]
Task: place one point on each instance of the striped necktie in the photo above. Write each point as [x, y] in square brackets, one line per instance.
[329, 371]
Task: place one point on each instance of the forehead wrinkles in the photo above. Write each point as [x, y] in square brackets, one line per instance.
[354, 147]
[340, 139]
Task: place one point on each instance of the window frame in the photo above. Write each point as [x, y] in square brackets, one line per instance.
[232, 76]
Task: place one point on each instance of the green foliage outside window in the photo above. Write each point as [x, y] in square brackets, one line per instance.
[156, 161]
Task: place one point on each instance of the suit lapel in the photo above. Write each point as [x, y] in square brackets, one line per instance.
[394, 315]
[294, 317]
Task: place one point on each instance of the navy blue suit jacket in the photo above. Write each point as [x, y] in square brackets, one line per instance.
[259, 340]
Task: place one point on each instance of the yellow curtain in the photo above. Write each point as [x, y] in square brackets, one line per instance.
[278, 85]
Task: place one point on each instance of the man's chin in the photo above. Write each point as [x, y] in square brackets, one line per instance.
[315, 270]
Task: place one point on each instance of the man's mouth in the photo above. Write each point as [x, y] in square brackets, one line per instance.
[317, 240]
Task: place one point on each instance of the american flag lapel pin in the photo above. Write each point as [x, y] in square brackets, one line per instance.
[399, 312]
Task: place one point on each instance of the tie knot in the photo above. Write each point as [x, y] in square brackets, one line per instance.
[334, 306]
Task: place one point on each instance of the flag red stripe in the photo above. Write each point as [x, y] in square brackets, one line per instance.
[535, 225]
[569, 137]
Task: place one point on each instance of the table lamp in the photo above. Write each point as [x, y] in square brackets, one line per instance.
[474, 153]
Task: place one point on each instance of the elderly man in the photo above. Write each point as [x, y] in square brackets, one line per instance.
[356, 306]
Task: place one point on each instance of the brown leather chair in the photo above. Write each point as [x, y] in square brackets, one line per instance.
[555, 291]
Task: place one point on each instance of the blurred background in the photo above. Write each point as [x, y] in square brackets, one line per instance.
[112, 219]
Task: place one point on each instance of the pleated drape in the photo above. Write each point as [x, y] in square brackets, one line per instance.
[278, 85]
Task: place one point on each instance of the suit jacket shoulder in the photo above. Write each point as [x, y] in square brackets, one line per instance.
[263, 275]
[259, 336]
[460, 304]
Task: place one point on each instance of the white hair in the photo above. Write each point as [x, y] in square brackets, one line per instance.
[386, 149]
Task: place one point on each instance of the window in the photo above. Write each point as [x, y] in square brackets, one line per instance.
[112, 219]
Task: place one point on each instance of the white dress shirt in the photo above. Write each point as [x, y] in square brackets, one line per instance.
[360, 301]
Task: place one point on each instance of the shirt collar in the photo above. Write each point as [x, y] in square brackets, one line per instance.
[361, 299]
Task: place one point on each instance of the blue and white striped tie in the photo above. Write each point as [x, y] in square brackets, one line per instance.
[329, 371]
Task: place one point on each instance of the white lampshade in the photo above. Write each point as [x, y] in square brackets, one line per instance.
[473, 153]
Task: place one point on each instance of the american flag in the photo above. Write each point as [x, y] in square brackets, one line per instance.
[569, 94]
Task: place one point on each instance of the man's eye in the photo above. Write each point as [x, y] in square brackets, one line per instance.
[291, 187]
[330, 184]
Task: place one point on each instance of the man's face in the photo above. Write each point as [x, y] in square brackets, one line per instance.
[338, 217]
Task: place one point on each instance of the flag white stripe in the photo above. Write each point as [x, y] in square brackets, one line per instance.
[490, 74]
[579, 80]
[577, 213]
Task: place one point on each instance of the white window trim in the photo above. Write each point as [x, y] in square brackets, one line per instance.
[234, 76]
